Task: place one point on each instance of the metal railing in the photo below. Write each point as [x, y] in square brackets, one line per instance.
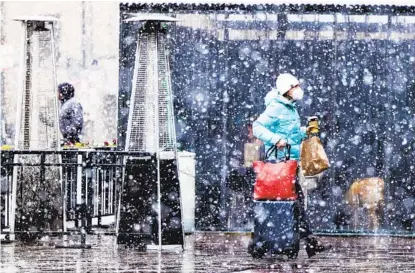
[90, 182]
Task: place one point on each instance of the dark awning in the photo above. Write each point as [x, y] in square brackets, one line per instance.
[277, 2]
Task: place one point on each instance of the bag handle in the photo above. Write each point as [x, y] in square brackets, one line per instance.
[273, 148]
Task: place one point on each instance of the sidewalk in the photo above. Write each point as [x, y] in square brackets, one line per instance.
[210, 252]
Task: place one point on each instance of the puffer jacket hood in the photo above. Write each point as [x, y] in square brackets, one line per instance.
[273, 95]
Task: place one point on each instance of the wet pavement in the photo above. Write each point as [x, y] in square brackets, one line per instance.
[210, 252]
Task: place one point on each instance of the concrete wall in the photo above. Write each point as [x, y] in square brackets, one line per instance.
[87, 56]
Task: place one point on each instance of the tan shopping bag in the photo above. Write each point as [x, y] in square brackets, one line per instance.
[313, 157]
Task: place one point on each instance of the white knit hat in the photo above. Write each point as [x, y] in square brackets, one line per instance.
[285, 82]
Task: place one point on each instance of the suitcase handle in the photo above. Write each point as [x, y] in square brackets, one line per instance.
[273, 149]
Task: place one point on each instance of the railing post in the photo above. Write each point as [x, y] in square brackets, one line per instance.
[42, 188]
[7, 171]
[80, 210]
[81, 196]
[99, 195]
[63, 182]
[13, 198]
[89, 191]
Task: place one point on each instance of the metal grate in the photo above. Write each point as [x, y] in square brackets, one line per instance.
[39, 117]
[151, 122]
[166, 121]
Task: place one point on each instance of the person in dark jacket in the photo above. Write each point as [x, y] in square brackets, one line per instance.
[71, 116]
[279, 125]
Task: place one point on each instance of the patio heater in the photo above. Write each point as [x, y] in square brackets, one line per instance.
[40, 196]
[150, 203]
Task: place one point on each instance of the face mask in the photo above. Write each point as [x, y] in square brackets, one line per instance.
[297, 94]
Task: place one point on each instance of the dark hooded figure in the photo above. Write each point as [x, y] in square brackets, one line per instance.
[71, 116]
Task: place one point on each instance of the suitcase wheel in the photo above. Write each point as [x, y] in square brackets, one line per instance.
[258, 253]
[255, 251]
[292, 255]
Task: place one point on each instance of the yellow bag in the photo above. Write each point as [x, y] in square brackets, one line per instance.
[313, 157]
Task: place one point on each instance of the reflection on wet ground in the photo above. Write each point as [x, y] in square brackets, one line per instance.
[210, 252]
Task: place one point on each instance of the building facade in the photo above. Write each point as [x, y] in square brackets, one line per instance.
[356, 65]
[87, 56]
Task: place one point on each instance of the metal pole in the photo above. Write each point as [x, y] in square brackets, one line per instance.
[226, 220]
[118, 213]
[387, 137]
[173, 130]
[157, 135]
[7, 200]
[100, 196]
[42, 183]
[63, 192]
[79, 205]
[159, 200]
[13, 199]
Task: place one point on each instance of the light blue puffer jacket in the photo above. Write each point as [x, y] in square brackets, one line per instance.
[280, 120]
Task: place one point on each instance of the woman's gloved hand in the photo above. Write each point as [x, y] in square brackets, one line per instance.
[281, 144]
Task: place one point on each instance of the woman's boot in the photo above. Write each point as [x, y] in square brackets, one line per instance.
[313, 246]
